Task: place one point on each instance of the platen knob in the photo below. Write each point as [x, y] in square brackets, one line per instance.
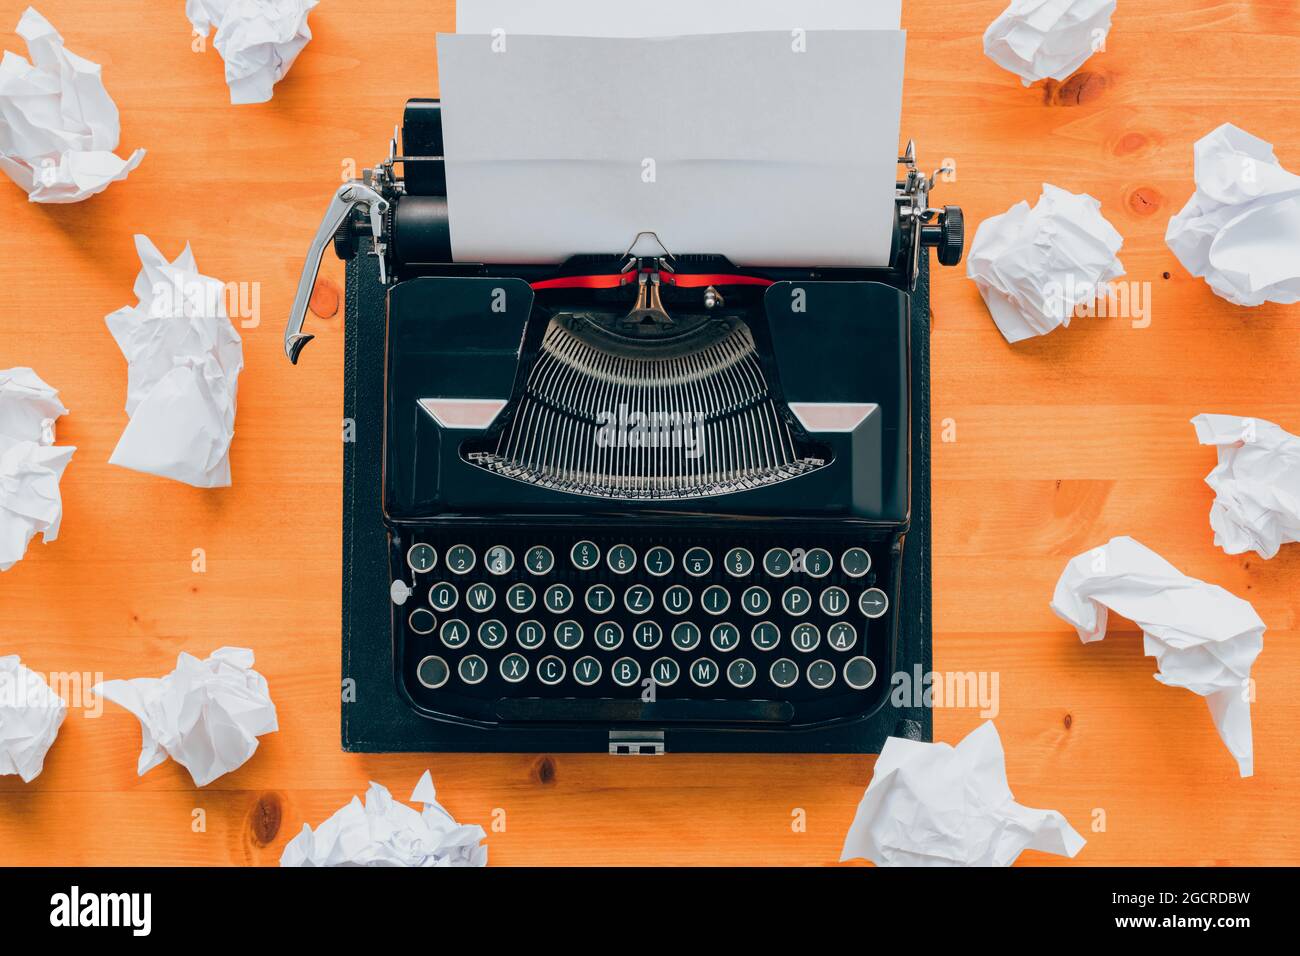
[947, 235]
[953, 226]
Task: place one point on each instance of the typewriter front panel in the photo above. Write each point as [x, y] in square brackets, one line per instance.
[745, 576]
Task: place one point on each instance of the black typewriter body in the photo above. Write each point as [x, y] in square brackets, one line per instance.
[631, 503]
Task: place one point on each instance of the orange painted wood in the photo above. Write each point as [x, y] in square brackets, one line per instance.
[1060, 444]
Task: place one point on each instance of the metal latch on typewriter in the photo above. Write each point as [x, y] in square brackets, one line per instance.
[636, 743]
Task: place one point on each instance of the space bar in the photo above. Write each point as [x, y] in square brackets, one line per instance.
[660, 711]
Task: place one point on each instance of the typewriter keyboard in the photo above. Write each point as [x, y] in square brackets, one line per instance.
[594, 627]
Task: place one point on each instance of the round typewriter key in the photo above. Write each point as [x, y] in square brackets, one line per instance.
[432, 672]
[514, 667]
[568, 635]
[492, 634]
[621, 559]
[499, 559]
[741, 673]
[460, 559]
[784, 673]
[550, 670]
[821, 674]
[677, 599]
[796, 601]
[558, 598]
[600, 598]
[756, 600]
[586, 671]
[665, 671]
[443, 596]
[422, 621]
[778, 562]
[855, 562]
[697, 562]
[638, 599]
[805, 637]
[686, 636]
[873, 603]
[724, 637]
[659, 561]
[521, 598]
[842, 636]
[647, 635]
[480, 597]
[454, 633]
[530, 634]
[834, 601]
[625, 672]
[585, 555]
[539, 560]
[472, 669]
[818, 562]
[399, 591]
[738, 562]
[704, 673]
[609, 635]
[715, 599]
[422, 557]
[765, 635]
[859, 672]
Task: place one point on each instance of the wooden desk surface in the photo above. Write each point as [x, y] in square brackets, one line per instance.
[1061, 443]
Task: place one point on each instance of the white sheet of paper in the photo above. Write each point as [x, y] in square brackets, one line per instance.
[206, 714]
[1202, 637]
[383, 832]
[1240, 231]
[58, 125]
[1035, 267]
[184, 358]
[257, 39]
[31, 465]
[30, 717]
[1256, 483]
[623, 18]
[746, 148]
[1036, 39]
[938, 805]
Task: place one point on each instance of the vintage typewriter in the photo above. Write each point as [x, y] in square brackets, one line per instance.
[641, 500]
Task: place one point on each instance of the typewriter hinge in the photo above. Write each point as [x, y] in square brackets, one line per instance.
[636, 743]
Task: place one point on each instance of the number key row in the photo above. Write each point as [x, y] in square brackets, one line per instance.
[658, 561]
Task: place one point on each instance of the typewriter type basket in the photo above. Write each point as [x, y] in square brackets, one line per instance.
[609, 417]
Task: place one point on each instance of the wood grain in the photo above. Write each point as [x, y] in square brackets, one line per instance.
[1060, 444]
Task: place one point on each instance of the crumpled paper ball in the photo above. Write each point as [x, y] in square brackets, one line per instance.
[1036, 39]
[58, 125]
[184, 358]
[206, 714]
[30, 717]
[383, 832]
[1035, 267]
[1203, 637]
[1256, 483]
[258, 39]
[938, 805]
[31, 465]
[1240, 231]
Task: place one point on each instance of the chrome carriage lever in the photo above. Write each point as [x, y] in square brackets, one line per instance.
[348, 197]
